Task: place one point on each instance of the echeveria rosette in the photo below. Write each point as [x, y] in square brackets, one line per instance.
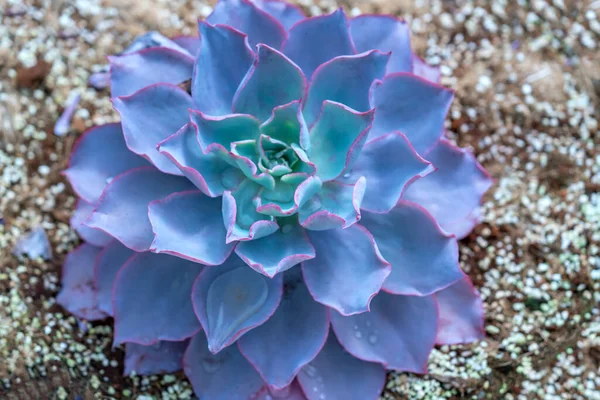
[278, 207]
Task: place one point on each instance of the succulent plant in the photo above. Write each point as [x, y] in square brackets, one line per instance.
[278, 210]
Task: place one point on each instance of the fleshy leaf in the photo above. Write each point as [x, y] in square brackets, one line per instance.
[122, 210]
[291, 392]
[349, 289]
[273, 80]
[452, 194]
[278, 202]
[346, 80]
[95, 237]
[160, 358]
[133, 71]
[287, 124]
[227, 375]
[423, 258]
[191, 44]
[34, 244]
[246, 157]
[220, 132]
[389, 163]
[385, 33]
[461, 314]
[337, 138]
[99, 155]
[189, 225]
[337, 206]
[244, 16]
[411, 105]
[287, 14]
[335, 374]
[240, 217]
[398, 332]
[313, 41]
[277, 252]
[152, 301]
[298, 329]
[78, 294]
[152, 39]
[150, 116]
[426, 71]
[232, 299]
[108, 263]
[209, 172]
[222, 63]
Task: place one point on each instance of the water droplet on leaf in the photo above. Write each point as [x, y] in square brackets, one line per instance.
[310, 370]
[372, 339]
[211, 364]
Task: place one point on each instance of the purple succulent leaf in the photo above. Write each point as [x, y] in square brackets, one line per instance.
[287, 14]
[461, 314]
[411, 105]
[232, 299]
[240, 217]
[346, 80]
[337, 206]
[152, 39]
[386, 33]
[299, 329]
[189, 225]
[426, 71]
[290, 392]
[95, 237]
[288, 125]
[151, 115]
[98, 156]
[452, 194]
[387, 176]
[133, 71]
[244, 16]
[315, 40]
[34, 244]
[335, 374]
[160, 358]
[208, 172]
[223, 60]
[78, 293]
[226, 375]
[191, 44]
[108, 263]
[423, 258]
[122, 210]
[246, 157]
[348, 290]
[273, 80]
[151, 299]
[219, 132]
[61, 127]
[337, 138]
[99, 80]
[398, 332]
[277, 252]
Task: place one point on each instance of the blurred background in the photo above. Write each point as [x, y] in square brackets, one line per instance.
[527, 80]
